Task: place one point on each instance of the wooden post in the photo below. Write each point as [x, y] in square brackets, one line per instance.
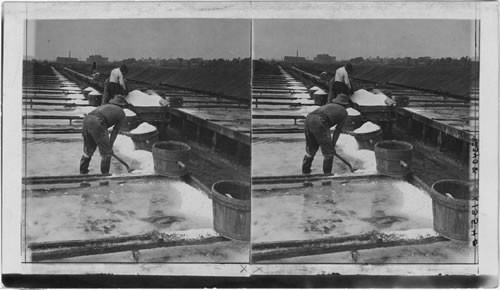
[198, 133]
[410, 124]
[256, 102]
[424, 132]
[464, 152]
[440, 141]
[214, 142]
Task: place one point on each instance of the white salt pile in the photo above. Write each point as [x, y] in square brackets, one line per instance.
[88, 89]
[415, 201]
[365, 98]
[315, 88]
[367, 127]
[141, 160]
[129, 113]
[140, 99]
[94, 93]
[353, 112]
[348, 146]
[194, 202]
[320, 92]
[143, 128]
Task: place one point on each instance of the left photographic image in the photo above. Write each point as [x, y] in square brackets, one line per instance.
[136, 141]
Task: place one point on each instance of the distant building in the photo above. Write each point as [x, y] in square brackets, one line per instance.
[324, 59]
[98, 59]
[294, 59]
[66, 60]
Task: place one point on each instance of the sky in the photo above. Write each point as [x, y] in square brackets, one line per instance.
[139, 38]
[353, 38]
[231, 38]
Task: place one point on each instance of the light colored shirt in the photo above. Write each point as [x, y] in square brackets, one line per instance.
[116, 76]
[342, 76]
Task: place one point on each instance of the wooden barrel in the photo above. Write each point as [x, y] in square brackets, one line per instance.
[170, 157]
[320, 99]
[95, 99]
[393, 157]
[352, 123]
[367, 140]
[452, 216]
[231, 208]
[144, 141]
[312, 91]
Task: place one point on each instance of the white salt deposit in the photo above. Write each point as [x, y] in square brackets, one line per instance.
[94, 93]
[141, 160]
[303, 101]
[140, 99]
[315, 88]
[416, 201]
[353, 112]
[320, 92]
[129, 113]
[76, 96]
[70, 88]
[88, 89]
[365, 98]
[348, 145]
[78, 102]
[143, 128]
[83, 111]
[306, 110]
[367, 127]
[194, 202]
[296, 88]
[301, 96]
[193, 234]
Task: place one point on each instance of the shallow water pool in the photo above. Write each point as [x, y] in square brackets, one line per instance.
[340, 209]
[130, 208]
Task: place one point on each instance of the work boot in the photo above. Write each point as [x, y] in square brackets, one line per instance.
[105, 164]
[306, 164]
[84, 164]
[327, 164]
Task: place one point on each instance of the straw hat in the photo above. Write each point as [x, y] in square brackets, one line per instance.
[119, 100]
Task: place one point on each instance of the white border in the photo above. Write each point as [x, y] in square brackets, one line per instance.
[16, 13]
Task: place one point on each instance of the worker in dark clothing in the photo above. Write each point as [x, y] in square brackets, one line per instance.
[341, 83]
[317, 131]
[115, 84]
[95, 132]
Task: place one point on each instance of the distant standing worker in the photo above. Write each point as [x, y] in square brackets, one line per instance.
[116, 85]
[94, 68]
[341, 83]
[317, 131]
[95, 132]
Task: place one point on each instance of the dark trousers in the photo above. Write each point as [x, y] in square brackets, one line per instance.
[338, 88]
[111, 90]
[95, 134]
[318, 136]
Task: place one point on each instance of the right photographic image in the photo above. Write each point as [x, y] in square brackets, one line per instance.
[365, 139]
